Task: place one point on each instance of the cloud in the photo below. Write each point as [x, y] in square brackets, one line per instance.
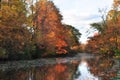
[81, 13]
[81, 19]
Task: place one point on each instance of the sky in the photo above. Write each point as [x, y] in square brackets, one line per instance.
[81, 13]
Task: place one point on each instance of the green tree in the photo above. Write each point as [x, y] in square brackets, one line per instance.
[72, 35]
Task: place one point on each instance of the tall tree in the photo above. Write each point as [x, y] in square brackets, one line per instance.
[14, 35]
[48, 27]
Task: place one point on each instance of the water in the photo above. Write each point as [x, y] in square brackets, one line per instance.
[76, 68]
[84, 72]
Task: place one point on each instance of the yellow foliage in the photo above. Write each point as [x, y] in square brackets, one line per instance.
[51, 34]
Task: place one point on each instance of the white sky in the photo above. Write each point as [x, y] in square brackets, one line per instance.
[81, 13]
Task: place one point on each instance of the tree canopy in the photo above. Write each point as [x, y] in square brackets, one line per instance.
[31, 29]
[107, 42]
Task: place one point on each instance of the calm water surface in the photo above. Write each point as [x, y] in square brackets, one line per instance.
[74, 69]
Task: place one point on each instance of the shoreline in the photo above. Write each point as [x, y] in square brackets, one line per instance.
[46, 61]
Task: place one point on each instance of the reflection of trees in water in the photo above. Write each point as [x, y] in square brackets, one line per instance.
[15, 75]
[48, 72]
[98, 66]
[57, 72]
[84, 72]
[103, 69]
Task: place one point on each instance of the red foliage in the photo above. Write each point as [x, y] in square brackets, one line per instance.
[60, 47]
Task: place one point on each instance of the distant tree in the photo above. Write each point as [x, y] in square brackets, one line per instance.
[72, 35]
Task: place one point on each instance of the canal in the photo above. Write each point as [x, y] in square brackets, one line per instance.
[80, 67]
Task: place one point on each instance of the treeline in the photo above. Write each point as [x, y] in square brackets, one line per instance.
[107, 41]
[30, 29]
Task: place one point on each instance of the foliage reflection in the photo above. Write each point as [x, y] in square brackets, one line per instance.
[102, 68]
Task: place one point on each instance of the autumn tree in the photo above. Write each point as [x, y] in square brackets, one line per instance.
[108, 41]
[25, 26]
[14, 35]
[49, 31]
[116, 3]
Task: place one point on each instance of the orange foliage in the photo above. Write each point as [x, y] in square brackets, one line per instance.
[60, 68]
[49, 27]
[116, 3]
[50, 77]
[60, 44]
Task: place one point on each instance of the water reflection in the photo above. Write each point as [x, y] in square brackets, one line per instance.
[83, 72]
[85, 69]
[48, 72]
